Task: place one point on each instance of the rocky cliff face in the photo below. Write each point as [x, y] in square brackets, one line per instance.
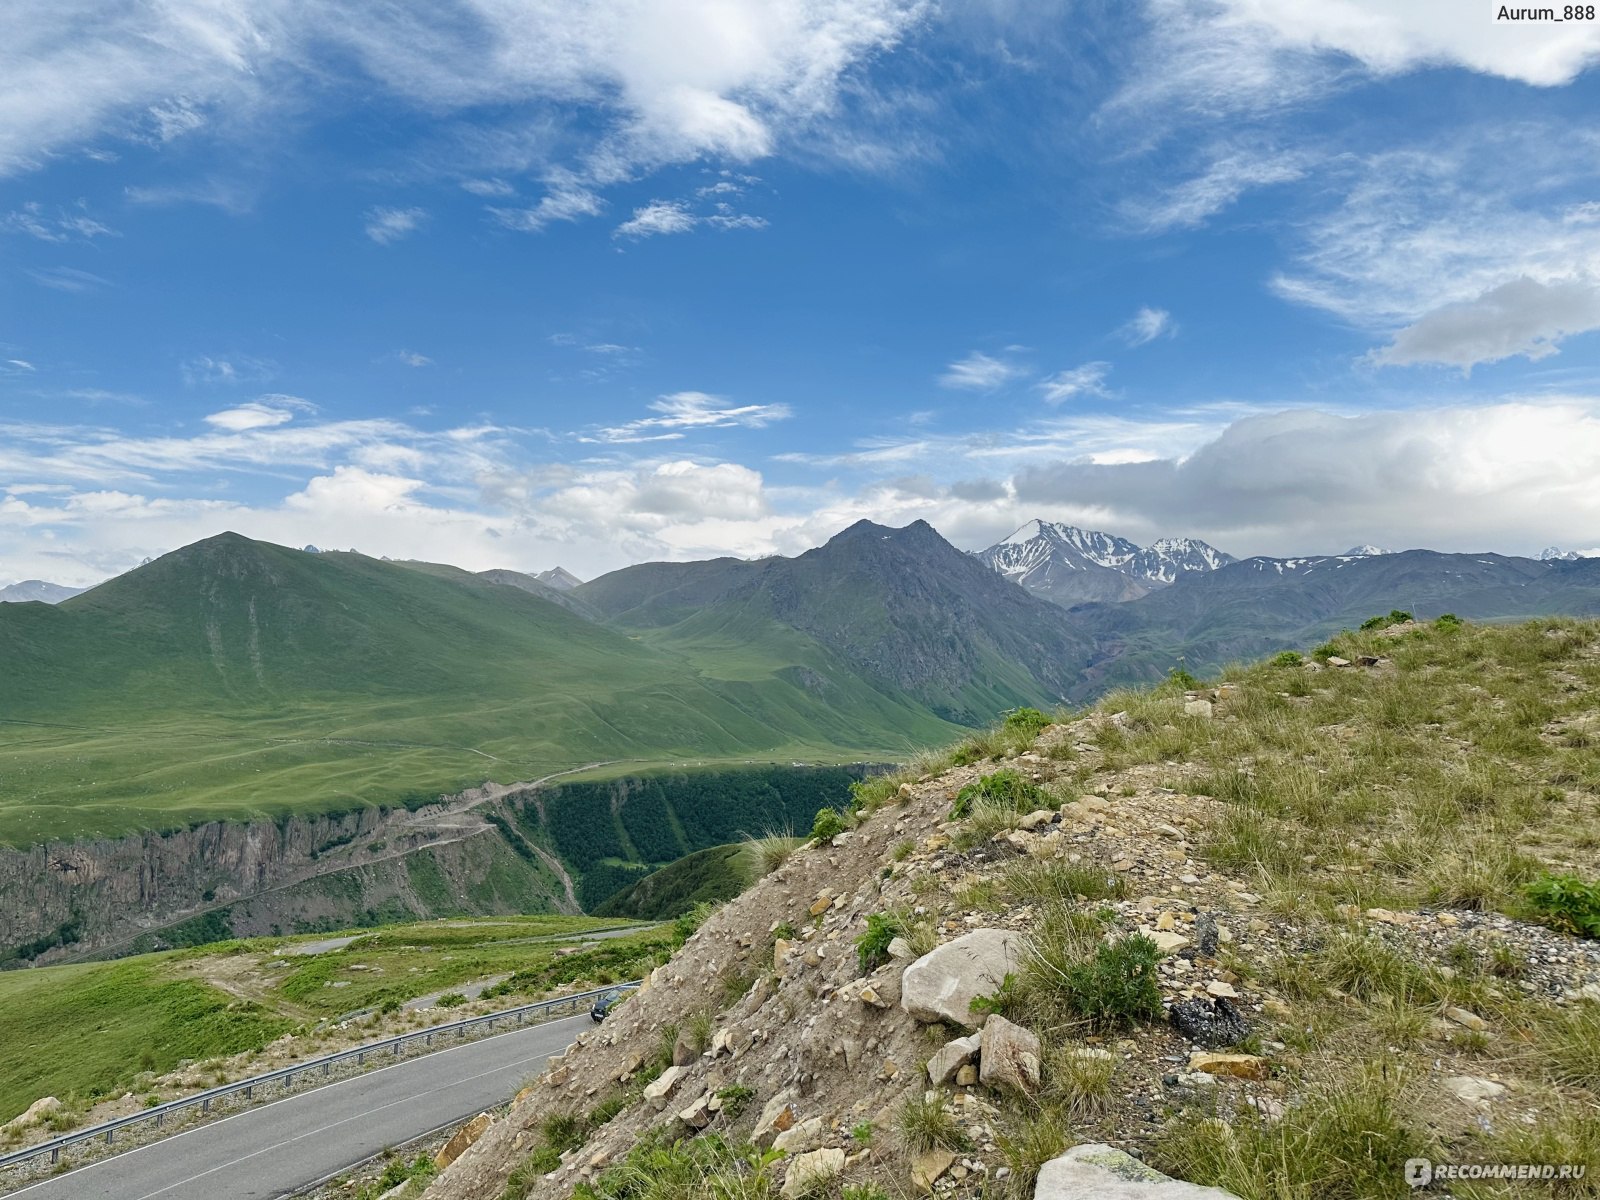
[264, 877]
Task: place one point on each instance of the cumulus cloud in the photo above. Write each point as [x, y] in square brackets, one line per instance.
[385, 225]
[1512, 475]
[1522, 316]
[1087, 380]
[979, 372]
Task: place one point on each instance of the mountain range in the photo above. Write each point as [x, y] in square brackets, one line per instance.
[238, 677]
[1068, 565]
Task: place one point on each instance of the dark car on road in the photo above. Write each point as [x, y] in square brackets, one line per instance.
[606, 1003]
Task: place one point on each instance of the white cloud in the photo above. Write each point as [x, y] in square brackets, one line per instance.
[1388, 39]
[67, 279]
[61, 226]
[1220, 58]
[606, 90]
[691, 410]
[21, 364]
[566, 201]
[235, 369]
[412, 359]
[1087, 380]
[657, 217]
[385, 225]
[1522, 316]
[1229, 173]
[980, 372]
[1419, 247]
[259, 414]
[1147, 325]
[488, 187]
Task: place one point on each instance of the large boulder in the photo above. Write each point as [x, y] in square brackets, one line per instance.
[941, 985]
[1099, 1172]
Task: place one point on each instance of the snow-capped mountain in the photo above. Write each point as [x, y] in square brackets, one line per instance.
[36, 589]
[1071, 566]
[1557, 554]
[1364, 551]
[559, 578]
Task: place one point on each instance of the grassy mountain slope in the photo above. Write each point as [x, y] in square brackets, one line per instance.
[902, 607]
[1261, 605]
[236, 678]
[707, 876]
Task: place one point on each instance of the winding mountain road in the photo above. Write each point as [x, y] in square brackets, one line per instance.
[278, 1149]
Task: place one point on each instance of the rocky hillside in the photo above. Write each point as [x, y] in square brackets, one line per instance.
[1271, 938]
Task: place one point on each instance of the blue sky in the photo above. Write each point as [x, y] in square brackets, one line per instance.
[513, 283]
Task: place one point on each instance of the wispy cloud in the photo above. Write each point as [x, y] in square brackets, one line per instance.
[567, 200]
[67, 279]
[675, 216]
[385, 225]
[62, 225]
[1147, 325]
[235, 369]
[488, 188]
[691, 410]
[656, 218]
[412, 359]
[1087, 380]
[980, 372]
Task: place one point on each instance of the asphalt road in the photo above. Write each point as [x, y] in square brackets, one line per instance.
[275, 1149]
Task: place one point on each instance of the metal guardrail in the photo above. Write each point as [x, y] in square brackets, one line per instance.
[286, 1075]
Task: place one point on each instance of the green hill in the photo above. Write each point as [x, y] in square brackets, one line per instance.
[902, 607]
[713, 875]
[235, 678]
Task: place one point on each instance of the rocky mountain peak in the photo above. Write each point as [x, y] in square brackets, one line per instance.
[1069, 565]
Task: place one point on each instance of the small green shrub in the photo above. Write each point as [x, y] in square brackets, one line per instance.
[1448, 621]
[1567, 903]
[450, 1000]
[863, 1132]
[1180, 680]
[1002, 1000]
[1326, 650]
[1005, 789]
[1288, 658]
[1118, 986]
[873, 945]
[1395, 617]
[1025, 722]
[735, 1099]
[828, 825]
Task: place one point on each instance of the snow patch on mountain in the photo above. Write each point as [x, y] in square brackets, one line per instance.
[37, 589]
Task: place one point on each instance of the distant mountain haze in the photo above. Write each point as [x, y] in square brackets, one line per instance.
[36, 590]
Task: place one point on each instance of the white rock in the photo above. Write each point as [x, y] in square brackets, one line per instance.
[812, 1170]
[1010, 1057]
[1474, 1090]
[660, 1089]
[941, 985]
[951, 1057]
[1096, 1171]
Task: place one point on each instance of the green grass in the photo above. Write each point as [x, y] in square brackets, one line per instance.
[235, 679]
[91, 1029]
[85, 1031]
